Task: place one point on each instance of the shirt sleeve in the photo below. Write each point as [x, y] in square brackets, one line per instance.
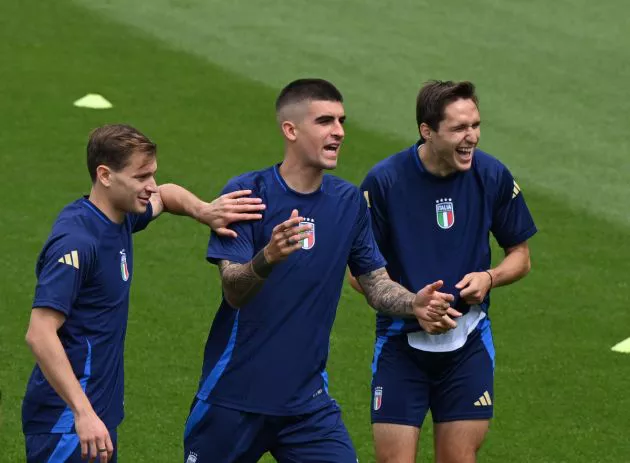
[512, 222]
[140, 221]
[63, 266]
[239, 249]
[374, 195]
[365, 256]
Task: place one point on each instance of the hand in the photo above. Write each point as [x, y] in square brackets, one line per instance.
[286, 238]
[229, 208]
[94, 437]
[432, 309]
[474, 287]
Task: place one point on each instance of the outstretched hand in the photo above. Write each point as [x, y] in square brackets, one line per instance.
[229, 208]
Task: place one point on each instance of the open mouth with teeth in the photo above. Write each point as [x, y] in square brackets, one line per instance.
[332, 148]
[465, 152]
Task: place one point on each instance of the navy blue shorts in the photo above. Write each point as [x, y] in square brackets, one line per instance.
[215, 434]
[59, 448]
[457, 385]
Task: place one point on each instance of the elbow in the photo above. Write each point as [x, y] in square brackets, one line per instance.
[32, 338]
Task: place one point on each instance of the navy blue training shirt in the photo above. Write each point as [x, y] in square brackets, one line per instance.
[84, 271]
[270, 356]
[430, 228]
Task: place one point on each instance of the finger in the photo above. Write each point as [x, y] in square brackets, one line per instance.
[101, 448]
[239, 216]
[239, 194]
[451, 312]
[444, 296]
[240, 207]
[435, 286]
[292, 222]
[298, 230]
[226, 232]
[467, 291]
[464, 281]
[84, 449]
[294, 213]
[449, 322]
[93, 452]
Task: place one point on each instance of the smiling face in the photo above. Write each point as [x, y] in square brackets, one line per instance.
[129, 189]
[457, 135]
[316, 133]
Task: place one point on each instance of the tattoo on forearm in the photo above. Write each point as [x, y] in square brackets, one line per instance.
[241, 282]
[386, 296]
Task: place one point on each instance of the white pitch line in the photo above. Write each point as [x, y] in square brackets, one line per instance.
[623, 347]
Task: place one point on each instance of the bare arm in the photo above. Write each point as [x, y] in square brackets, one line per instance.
[241, 282]
[514, 266]
[385, 295]
[46, 346]
[218, 214]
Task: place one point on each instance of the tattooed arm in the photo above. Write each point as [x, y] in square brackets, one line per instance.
[430, 307]
[385, 295]
[241, 282]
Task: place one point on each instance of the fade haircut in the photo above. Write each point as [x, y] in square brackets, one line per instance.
[302, 90]
[436, 95]
[112, 146]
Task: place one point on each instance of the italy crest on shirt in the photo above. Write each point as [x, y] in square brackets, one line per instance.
[445, 213]
[124, 271]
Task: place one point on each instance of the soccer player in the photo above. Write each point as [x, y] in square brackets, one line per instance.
[433, 206]
[264, 386]
[74, 397]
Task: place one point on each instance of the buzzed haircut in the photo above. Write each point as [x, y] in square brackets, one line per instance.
[112, 146]
[436, 95]
[307, 90]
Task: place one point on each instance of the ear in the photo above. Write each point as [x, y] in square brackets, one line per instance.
[289, 130]
[104, 175]
[425, 131]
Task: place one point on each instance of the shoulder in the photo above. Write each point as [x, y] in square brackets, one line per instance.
[488, 165]
[340, 188]
[76, 223]
[388, 170]
[254, 180]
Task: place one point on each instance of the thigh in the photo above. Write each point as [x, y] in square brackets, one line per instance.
[400, 387]
[465, 388]
[395, 443]
[459, 441]
[216, 434]
[320, 437]
[59, 448]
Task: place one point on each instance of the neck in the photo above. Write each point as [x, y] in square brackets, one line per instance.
[299, 177]
[433, 163]
[100, 200]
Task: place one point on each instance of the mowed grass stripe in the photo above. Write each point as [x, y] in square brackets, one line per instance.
[553, 331]
[548, 73]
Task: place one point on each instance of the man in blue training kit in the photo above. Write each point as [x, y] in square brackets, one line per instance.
[74, 397]
[433, 208]
[264, 386]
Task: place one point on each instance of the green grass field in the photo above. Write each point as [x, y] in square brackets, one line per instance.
[200, 78]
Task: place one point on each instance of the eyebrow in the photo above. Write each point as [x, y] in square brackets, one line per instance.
[328, 118]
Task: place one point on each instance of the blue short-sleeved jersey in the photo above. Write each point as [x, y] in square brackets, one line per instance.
[84, 271]
[270, 356]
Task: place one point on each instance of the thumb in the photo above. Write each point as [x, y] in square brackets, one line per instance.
[433, 287]
[464, 281]
[294, 214]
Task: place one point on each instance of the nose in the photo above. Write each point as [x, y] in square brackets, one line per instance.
[152, 186]
[472, 135]
[338, 131]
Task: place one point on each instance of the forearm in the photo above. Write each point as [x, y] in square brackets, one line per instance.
[514, 266]
[385, 295]
[179, 201]
[241, 282]
[54, 363]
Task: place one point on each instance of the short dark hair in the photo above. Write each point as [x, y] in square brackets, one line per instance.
[112, 145]
[307, 90]
[436, 95]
